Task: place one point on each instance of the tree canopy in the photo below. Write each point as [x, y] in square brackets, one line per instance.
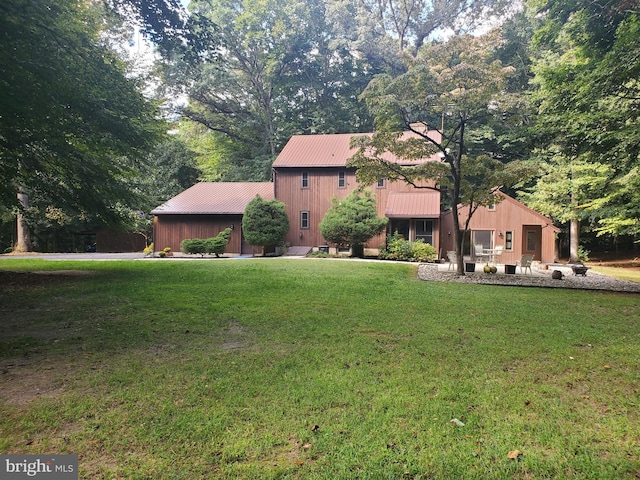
[587, 65]
[453, 89]
[73, 126]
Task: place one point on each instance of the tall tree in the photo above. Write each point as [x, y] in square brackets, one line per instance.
[280, 72]
[73, 126]
[453, 89]
[586, 73]
[384, 29]
[566, 190]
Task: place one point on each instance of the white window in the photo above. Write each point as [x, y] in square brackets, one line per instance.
[342, 179]
[508, 240]
[304, 220]
[381, 183]
[305, 179]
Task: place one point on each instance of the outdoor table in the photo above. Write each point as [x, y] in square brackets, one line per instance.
[491, 252]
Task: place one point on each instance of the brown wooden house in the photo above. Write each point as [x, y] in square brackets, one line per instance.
[510, 223]
[204, 210]
[311, 170]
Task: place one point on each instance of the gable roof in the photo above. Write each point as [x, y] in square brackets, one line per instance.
[331, 150]
[541, 219]
[413, 205]
[221, 198]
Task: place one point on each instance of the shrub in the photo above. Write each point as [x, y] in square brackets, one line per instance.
[352, 221]
[218, 244]
[193, 246]
[148, 250]
[264, 222]
[398, 248]
[210, 246]
[423, 252]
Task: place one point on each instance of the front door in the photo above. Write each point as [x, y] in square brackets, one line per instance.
[532, 240]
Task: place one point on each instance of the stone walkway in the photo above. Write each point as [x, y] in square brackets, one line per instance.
[537, 278]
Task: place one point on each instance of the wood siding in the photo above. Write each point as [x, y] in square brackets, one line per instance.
[170, 230]
[508, 216]
[316, 199]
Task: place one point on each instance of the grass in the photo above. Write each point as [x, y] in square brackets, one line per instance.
[314, 369]
[621, 273]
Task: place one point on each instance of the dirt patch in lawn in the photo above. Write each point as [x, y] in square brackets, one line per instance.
[24, 380]
[10, 281]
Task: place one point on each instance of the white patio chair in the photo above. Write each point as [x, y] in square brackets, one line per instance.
[525, 262]
[478, 251]
[453, 259]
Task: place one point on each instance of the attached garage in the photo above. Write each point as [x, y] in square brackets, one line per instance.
[204, 210]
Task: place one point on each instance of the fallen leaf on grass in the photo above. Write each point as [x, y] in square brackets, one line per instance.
[607, 367]
[514, 454]
[457, 422]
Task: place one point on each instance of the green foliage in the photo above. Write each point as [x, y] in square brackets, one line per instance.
[423, 252]
[398, 248]
[226, 370]
[353, 221]
[583, 254]
[455, 90]
[193, 246]
[265, 222]
[75, 126]
[588, 97]
[259, 93]
[210, 246]
[217, 245]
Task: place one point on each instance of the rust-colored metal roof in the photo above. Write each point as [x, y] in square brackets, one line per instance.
[424, 204]
[330, 151]
[223, 198]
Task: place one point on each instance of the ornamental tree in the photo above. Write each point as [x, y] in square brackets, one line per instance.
[457, 90]
[265, 222]
[352, 221]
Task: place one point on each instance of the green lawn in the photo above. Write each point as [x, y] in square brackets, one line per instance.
[315, 369]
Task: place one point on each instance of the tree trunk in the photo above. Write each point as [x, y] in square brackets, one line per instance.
[574, 240]
[23, 241]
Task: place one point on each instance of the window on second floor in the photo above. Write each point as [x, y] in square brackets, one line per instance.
[305, 179]
[342, 179]
[381, 183]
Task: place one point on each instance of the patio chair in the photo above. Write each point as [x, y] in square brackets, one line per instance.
[497, 252]
[525, 262]
[478, 251]
[453, 259]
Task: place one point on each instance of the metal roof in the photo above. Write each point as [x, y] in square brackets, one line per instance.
[330, 151]
[221, 198]
[424, 204]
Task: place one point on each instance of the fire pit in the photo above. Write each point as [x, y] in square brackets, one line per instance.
[579, 269]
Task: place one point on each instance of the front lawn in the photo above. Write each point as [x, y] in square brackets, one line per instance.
[314, 369]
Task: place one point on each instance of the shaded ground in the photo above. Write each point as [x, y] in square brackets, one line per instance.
[630, 261]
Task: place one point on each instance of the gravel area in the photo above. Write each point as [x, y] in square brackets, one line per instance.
[537, 278]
